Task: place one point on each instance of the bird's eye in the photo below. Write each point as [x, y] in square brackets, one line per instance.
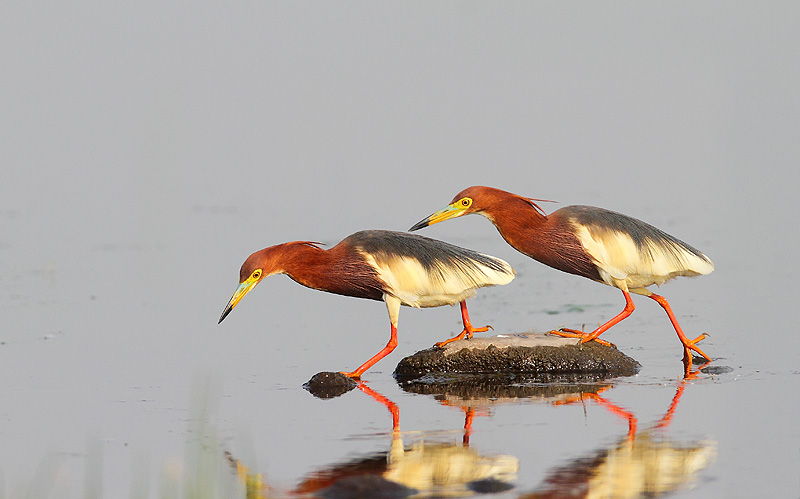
[256, 274]
[465, 202]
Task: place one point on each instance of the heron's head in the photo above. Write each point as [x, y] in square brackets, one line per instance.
[474, 199]
[259, 265]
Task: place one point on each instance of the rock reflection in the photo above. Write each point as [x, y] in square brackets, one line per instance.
[423, 469]
[643, 464]
[485, 390]
[477, 394]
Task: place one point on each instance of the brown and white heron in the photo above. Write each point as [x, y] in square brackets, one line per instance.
[396, 267]
[602, 245]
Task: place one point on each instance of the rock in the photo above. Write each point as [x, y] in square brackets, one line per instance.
[522, 353]
[327, 385]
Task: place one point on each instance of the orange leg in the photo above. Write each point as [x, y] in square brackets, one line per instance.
[581, 397]
[375, 358]
[468, 329]
[688, 344]
[469, 414]
[689, 375]
[571, 333]
[385, 401]
[619, 411]
[666, 419]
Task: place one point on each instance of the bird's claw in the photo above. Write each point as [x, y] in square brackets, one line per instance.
[689, 346]
[467, 332]
[459, 336]
[351, 375]
[602, 342]
[584, 337]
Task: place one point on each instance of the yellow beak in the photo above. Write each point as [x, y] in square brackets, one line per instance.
[242, 290]
[452, 211]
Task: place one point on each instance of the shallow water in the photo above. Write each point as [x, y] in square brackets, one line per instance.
[147, 152]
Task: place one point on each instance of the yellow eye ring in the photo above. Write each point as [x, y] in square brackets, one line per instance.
[465, 202]
[256, 274]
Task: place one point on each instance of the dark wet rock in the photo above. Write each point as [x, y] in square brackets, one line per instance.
[363, 486]
[520, 353]
[327, 385]
[489, 486]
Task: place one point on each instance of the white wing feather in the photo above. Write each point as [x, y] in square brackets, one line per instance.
[409, 281]
[620, 259]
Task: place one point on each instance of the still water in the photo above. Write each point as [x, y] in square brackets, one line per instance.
[148, 151]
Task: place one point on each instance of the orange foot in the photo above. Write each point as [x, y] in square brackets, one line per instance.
[689, 345]
[466, 332]
[353, 374]
[574, 333]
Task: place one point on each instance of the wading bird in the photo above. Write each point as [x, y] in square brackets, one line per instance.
[602, 245]
[396, 267]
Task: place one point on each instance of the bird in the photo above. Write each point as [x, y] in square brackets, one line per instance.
[396, 267]
[602, 245]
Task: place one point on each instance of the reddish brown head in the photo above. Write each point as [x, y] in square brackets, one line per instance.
[477, 199]
[261, 264]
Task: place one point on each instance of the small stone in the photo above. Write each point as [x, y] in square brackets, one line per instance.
[328, 384]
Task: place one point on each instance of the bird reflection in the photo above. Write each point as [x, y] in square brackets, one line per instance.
[423, 469]
[643, 464]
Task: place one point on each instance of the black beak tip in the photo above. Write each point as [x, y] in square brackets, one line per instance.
[224, 314]
[419, 225]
